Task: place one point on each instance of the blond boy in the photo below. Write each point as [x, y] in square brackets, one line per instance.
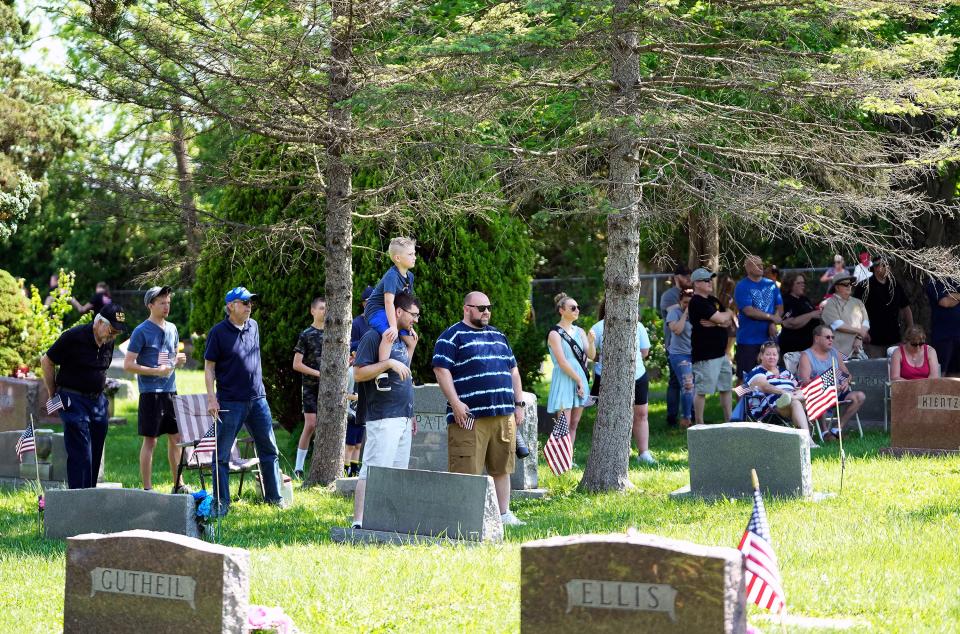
[380, 312]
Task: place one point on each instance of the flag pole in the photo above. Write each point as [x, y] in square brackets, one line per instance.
[36, 463]
[216, 474]
[843, 456]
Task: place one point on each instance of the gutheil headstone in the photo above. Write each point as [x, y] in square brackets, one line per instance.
[146, 581]
[630, 583]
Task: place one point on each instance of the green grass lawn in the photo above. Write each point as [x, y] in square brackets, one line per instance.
[884, 553]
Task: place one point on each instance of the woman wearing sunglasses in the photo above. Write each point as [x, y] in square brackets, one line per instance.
[914, 359]
[569, 349]
[775, 389]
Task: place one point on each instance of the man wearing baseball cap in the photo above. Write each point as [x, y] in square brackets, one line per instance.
[232, 363]
[153, 354]
[75, 373]
[712, 371]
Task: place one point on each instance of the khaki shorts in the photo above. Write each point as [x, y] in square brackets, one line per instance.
[490, 444]
[713, 375]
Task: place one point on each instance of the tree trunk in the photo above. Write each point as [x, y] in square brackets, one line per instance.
[704, 240]
[327, 461]
[188, 207]
[608, 463]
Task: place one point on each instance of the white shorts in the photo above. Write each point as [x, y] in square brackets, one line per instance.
[388, 444]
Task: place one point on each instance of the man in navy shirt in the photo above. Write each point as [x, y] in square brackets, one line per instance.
[388, 399]
[83, 355]
[944, 299]
[232, 360]
[152, 355]
[478, 374]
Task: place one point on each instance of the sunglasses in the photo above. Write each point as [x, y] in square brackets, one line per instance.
[917, 343]
[483, 308]
[844, 284]
[827, 336]
[576, 308]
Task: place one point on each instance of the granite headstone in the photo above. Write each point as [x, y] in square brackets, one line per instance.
[721, 457]
[107, 510]
[871, 376]
[21, 398]
[147, 581]
[925, 416]
[428, 503]
[630, 583]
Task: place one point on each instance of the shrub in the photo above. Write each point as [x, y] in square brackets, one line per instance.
[14, 318]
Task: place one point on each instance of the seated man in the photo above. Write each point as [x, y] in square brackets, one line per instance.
[820, 358]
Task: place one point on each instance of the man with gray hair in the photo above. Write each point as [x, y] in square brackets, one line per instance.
[153, 355]
[83, 355]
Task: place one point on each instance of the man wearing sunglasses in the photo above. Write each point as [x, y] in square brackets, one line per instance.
[822, 357]
[232, 362]
[478, 374]
[83, 355]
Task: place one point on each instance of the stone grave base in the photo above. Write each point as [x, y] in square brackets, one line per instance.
[115, 421]
[900, 452]
[345, 535]
[348, 486]
[684, 493]
[18, 483]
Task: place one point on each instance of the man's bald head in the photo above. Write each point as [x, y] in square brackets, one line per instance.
[476, 309]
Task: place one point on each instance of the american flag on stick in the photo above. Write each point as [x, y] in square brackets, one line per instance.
[208, 442]
[764, 586]
[163, 358]
[820, 394]
[26, 443]
[742, 390]
[54, 403]
[558, 449]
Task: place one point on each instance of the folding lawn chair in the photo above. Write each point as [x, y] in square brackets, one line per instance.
[193, 421]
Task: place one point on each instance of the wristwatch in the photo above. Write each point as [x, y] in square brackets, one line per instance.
[519, 404]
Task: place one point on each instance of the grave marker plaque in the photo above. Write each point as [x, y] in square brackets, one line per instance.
[630, 583]
[146, 581]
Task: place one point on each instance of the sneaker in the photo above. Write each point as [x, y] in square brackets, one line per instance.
[509, 519]
[184, 488]
[646, 458]
[356, 525]
[298, 474]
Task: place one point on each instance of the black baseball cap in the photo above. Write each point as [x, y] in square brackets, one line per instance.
[114, 314]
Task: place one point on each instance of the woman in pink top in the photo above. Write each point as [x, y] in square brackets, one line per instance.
[915, 360]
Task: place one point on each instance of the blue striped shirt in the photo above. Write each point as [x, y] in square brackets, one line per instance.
[481, 363]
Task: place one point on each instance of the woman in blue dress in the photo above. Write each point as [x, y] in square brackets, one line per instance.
[569, 349]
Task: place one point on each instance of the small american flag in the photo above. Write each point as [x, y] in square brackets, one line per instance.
[470, 420]
[26, 443]
[764, 586]
[820, 395]
[558, 449]
[163, 358]
[208, 442]
[54, 403]
[742, 390]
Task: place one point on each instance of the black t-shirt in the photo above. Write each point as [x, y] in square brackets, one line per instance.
[797, 339]
[82, 364]
[883, 302]
[707, 342]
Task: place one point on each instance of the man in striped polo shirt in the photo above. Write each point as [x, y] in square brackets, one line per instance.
[478, 374]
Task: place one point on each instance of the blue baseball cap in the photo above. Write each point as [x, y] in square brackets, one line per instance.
[240, 293]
